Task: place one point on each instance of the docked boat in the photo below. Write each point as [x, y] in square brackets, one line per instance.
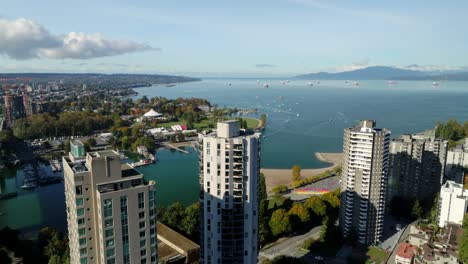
[435, 84]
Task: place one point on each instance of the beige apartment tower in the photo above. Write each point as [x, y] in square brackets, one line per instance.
[363, 181]
[229, 174]
[111, 209]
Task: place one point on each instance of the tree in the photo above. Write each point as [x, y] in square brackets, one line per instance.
[91, 141]
[317, 205]
[434, 209]
[296, 173]
[463, 251]
[191, 220]
[144, 99]
[299, 210]
[279, 222]
[173, 215]
[416, 210]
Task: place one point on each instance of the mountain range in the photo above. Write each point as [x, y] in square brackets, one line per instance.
[386, 73]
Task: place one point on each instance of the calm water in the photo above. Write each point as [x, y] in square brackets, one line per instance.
[301, 120]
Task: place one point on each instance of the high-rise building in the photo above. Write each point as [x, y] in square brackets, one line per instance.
[111, 209]
[416, 167]
[229, 174]
[363, 181]
[453, 202]
[457, 163]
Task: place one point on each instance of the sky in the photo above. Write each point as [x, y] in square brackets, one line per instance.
[230, 38]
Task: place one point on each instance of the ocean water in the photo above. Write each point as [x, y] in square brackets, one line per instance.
[301, 120]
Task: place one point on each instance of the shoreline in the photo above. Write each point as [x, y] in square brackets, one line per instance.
[275, 177]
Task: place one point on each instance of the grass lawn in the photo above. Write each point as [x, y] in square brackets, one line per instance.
[370, 255]
[252, 123]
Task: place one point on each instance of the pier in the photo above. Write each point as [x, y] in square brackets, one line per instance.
[176, 148]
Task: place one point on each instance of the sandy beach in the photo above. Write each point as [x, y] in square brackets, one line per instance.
[275, 177]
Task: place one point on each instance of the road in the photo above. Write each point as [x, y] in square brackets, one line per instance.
[290, 246]
[404, 235]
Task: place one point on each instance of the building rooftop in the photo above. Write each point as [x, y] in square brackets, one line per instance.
[164, 232]
[128, 171]
[406, 250]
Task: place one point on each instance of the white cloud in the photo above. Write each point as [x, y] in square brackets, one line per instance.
[25, 39]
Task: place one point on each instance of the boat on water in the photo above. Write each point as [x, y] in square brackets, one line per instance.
[391, 82]
[298, 115]
[310, 84]
[435, 84]
[265, 85]
[356, 84]
[170, 85]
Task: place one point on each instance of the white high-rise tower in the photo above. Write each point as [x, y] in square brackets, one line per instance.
[364, 181]
[229, 174]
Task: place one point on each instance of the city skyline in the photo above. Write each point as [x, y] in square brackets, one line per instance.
[280, 38]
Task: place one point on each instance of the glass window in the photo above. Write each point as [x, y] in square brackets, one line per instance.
[109, 232]
[143, 252]
[108, 222]
[83, 251]
[142, 233]
[82, 231]
[142, 225]
[79, 190]
[110, 252]
[107, 207]
[83, 261]
[80, 211]
[79, 201]
[111, 261]
[109, 242]
[141, 200]
[141, 215]
[82, 241]
[142, 243]
[81, 221]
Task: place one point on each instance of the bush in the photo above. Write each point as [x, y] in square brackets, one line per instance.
[279, 189]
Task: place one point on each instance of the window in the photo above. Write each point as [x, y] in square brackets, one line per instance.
[109, 232]
[107, 207]
[82, 241]
[80, 211]
[142, 225]
[142, 233]
[82, 231]
[141, 215]
[109, 242]
[111, 261]
[143, 252]
[110, 252]
[108, 222]
[79, 201]
[143, 261]
[142, 243]
[141, 200]
[83, 251]
[83, 261]
[79, 190]
[81, 221]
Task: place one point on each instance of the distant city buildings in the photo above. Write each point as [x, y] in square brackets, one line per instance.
[416, 167]
[111, 209]
[229, 173]
[363, 181]
[457, 162]
[453, 203]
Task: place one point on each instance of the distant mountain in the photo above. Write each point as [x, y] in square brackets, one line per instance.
[369, 73]
[447, 76]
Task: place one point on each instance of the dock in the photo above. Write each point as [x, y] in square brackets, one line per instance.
[176, 148]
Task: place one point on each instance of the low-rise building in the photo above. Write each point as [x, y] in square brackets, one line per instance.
[453, 203]
[419, 236]
[405, 253]
[443, 248]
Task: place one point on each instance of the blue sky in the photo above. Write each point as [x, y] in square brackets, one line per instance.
[231, 38]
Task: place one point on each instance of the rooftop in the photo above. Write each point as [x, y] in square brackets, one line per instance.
[406, 250]
[182, 242]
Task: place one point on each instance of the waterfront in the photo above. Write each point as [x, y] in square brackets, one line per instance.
[301, 120]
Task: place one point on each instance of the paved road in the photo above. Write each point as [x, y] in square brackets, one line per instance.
[404, 235]
[290, 246]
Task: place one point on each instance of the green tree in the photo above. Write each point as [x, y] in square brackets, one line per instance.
[191, 220]
[279, 222]
[416, 210]
[173, 215]
[463, 255]
[299, 210]
[434, 209]
[296, 173]
[317, 205]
